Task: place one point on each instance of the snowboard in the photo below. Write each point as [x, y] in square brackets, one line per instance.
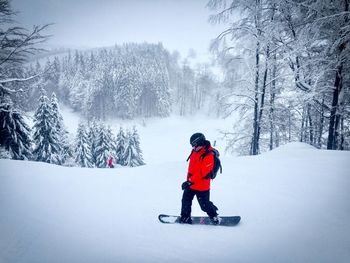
[201, 220]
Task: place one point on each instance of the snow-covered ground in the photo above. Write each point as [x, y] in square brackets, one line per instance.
[294, 203]
[159, 136]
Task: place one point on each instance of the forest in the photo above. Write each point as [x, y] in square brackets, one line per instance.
[285, 67]
[286, 71]
[128, 81]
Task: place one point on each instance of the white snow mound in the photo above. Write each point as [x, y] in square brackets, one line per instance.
[294, 204]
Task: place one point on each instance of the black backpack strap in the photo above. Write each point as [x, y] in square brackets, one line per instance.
[189, 156]
[208, 176]
[215, 154]
[206, 153]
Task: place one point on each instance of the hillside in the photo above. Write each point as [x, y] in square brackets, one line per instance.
[293, 202]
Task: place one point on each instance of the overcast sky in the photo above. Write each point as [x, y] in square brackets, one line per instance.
[178, 24]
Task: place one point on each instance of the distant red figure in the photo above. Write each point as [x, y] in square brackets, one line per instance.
[110, 162]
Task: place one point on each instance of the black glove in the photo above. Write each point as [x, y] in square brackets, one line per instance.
[186, 185]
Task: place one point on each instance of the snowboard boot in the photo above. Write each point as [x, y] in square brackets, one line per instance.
[185, 220]
[215, 220]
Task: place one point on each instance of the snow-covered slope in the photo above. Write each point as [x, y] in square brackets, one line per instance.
[162, 135]
[294, 203]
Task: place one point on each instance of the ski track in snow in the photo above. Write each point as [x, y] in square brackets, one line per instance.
[294, 203]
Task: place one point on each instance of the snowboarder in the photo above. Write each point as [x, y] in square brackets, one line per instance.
[110, 162]
[198, 181]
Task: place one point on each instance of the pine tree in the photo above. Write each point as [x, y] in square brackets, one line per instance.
[83, 155]
[61, 130]
[16, 44]
[132, 154]
[93, 133]
[46, 139]
[111, 142]
[136, 138]
[14, 133]
[120, 147]
[130, 151]
[103, 148]
[4, 154]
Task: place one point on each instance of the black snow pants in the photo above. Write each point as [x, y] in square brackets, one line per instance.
[203, 200]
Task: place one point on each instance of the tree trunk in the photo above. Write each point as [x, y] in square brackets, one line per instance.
[335, 117]
[336, 131]
[311, 127]
[272, 102]
[254, 145]
[289, 125]
[342, 137]
[263, 91]
[302, 128]
[331, 143]
[320, 130]
[254, 150]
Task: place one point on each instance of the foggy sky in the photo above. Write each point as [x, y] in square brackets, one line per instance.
[178, 24]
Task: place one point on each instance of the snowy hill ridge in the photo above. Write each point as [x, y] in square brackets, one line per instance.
[293, 202]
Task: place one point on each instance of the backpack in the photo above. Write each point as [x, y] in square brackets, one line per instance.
[217, 163]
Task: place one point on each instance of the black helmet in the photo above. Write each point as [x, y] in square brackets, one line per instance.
[197, 139]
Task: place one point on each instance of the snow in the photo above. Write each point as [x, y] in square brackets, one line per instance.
[159, 135]
[294, 204]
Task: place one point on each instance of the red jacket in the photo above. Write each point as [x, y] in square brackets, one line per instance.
[198, 168]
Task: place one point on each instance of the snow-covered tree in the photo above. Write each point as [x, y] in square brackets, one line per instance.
[83, 155]
[120, 147]
[14, 133]
[284, 67]
[60, 128]
[104, 148]
[4, 154]
[15, 46]
[133, 153]
[130, 151]
[136, 138]
[46, 138]
[112, 141]
[93, 134]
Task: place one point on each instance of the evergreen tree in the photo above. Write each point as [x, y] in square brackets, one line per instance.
[136, 138]
[4, 154]
[111, 142]
[126, 81]
[120, 147]
[130, 151]
[132, 154]
[93, 135]
[103, 148]
[83, 155]
[14, 133]
[61, 130]
[16, 44]
[46, 138]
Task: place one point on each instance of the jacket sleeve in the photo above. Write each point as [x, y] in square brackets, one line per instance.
[207, 165]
